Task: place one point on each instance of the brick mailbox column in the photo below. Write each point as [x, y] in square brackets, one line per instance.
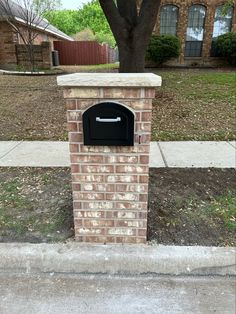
[110, 183]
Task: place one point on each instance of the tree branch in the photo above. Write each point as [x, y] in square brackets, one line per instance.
[128, 10]
[116, 22]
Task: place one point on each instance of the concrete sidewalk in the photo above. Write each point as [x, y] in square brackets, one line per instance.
[163, 154]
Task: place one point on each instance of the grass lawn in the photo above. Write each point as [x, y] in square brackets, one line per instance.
[191, 105]
[195, 105]
[186, 206]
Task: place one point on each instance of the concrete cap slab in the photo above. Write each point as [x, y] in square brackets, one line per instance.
[199, 154]
[110, 80]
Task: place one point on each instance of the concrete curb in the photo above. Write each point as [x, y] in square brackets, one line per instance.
[116, 259]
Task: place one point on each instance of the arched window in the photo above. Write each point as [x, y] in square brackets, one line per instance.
[223, 21]
[169, 20]
[195, 31]
[222, 25]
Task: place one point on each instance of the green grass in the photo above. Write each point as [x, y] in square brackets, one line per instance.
[90, 68]
[224, 208]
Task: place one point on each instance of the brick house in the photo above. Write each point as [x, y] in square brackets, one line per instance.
[10, 40]
[197, 23]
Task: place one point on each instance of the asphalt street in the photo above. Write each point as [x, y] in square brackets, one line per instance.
[60, 293]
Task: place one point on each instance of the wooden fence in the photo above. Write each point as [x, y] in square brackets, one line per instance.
[84, 53]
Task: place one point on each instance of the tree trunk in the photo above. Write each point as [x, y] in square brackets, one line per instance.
[132, 58]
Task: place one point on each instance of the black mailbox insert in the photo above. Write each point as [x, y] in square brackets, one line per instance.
[108, 124]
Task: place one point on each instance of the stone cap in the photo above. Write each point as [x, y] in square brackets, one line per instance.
[110, 80]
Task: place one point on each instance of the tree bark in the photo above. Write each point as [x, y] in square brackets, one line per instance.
[132, 30]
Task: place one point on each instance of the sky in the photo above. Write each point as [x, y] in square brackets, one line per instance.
[73, 4]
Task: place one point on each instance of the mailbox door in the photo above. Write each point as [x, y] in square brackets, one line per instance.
[108, 124]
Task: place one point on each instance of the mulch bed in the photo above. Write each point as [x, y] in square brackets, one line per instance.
[36, 206]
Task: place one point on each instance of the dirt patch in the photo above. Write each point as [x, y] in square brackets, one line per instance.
[192, 207]
[186, 206]
[32, 108]
[195, 105]
[35, 205]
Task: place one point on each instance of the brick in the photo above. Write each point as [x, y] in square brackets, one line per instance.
[97, 169]
[144, 179]
[78, 223]
[98, 187]
[85, 104]
[77, 205]
[143, 197]
[121, 159]
[121, 178]
[138, 116]
[150, 92]
[77, 158]
[121, 93]
[142, 138]
[143, 104]
[146, 116]
[75, 137]
[101, 223]
[138, 188]
[74, 148]
[88, 196]
[87, 178]
[99, 239]
[82, 93]
[76, 187]
[87, 231]
[131, 206]
[143, 127]
[142, 232]
[71, 104]
[75, 169]
[97, 205]
[131, 223]
[144, 159]
[126, 215]
[98, 149]
[72, 127]
[73, 116]
[132, 169]
[94, 214]
[131, 240]
[122, 197]
[121, 231]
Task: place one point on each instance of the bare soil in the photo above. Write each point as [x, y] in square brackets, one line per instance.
[186, 206]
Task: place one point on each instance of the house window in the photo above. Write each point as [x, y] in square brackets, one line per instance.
[195, 31]
[169, 20]
[222, 25]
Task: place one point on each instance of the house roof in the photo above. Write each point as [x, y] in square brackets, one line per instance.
[20, 14]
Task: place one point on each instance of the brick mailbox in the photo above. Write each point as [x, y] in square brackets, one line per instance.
[109, 123]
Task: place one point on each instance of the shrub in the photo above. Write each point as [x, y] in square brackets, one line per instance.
[226, 44]
[162, 48]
